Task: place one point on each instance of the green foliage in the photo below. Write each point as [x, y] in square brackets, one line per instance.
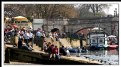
[30, 19]
[72, 39]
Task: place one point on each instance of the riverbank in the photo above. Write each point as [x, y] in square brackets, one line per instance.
[18, 63]
[39, 57]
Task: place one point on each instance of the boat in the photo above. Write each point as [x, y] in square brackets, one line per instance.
[97, 40]
[113, 46]
[84, 51]
[112, 39]
[73, 50]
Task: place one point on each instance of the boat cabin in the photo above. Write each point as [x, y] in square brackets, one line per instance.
[97, 39]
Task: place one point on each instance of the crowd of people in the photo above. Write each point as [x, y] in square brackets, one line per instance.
[25, 38]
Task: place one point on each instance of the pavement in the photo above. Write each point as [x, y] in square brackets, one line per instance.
[17, 63]
[37, 49]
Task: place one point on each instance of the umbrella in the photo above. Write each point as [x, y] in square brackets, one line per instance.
[20, 18]
[54, 30]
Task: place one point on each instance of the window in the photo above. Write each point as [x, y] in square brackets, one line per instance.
[93, 41]
[101, 41]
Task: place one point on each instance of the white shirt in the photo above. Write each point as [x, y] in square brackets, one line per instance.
[26, 35]
[38, 33]
[50, 35]
[30, 35]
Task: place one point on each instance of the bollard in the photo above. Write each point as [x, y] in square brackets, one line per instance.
[7, 56]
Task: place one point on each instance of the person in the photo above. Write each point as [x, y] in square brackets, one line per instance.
[26, 37]
[21, 38]
[49, 47]
[67, 51]
[24, 46]
[56, 36]
[43, 33]
[63, 51]
[84, 49]
[50, 35]
[78, 51]
[40, 38]
[31, 38]
[63, 35]
[45, 46]
[56, 54]
[15, 40]
[51, 51]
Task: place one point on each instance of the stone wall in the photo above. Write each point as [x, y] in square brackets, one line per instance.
[73, 25]
[15, 54]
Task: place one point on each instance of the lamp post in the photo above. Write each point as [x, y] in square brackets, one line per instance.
[116, 11]
[53, 25]
[32, 21]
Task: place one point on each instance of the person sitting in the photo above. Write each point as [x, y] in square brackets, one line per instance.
[45, 46]
[56, 54]
[20, 39]
[49, 47]
[22, 45]
[49, 50]
[25, 47]
[63, 51]
[78, 51]
[67, 51]
[84, 49]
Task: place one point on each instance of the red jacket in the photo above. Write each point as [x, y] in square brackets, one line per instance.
[55, 50]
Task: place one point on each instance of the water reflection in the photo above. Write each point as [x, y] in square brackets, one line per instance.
[102, 52]
[106, 56]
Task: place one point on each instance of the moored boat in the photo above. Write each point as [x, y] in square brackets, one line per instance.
[84, 51]
[97, 40]
[112, 42]
[113, 46]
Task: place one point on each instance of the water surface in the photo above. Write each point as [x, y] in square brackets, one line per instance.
[107, 57]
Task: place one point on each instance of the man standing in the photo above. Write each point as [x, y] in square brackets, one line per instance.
[39, 38]
[26, 38]
[31, 38]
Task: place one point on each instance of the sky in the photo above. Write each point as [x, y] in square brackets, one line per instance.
[111, 9]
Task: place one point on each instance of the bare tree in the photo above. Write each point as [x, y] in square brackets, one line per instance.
[92, 10]
[43, 10]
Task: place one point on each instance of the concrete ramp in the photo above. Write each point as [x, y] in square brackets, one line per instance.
[40, 57]
[75, 43]
[65, 42]
[53, 41]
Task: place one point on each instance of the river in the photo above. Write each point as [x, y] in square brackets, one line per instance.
[107, 57]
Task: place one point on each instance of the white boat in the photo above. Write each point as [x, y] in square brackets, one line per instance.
[97, 40]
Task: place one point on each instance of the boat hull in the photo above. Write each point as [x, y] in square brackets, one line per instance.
[112, 47]
[97, 47]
